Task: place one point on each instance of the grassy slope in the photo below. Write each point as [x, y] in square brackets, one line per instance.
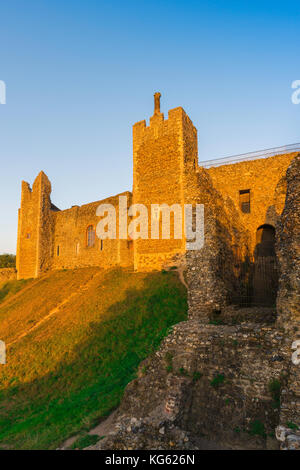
[10, 288]
[72, 370]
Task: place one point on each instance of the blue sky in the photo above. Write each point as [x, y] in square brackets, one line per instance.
[80, 73]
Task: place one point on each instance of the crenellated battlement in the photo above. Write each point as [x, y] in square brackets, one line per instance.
[176, 117]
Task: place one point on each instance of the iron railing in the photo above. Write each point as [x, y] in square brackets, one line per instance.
[251, 156]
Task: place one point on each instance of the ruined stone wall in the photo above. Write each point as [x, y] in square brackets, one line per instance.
[266, 180]
[160, 152]
[34, 228]
[288, 252]
[70, 248]
[222, 272]
[288, 302]
[207, 385]
[213, 272]
[52, 239]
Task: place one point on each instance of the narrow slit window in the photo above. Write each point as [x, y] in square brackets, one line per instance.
[90, 239]
[101, 245]
[57, 250]
[77, 248]
[245, 201]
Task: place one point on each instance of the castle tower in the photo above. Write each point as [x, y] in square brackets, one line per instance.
[163, 153]
[34, 228]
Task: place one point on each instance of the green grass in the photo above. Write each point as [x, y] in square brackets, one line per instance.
[292, 425]
[70, 372]
[182, 371]
[217, 381]
[275, 388]
[169, 361]
[197, 376]
[216, 322]
[10, 288]
[257, 428]
[85, 441]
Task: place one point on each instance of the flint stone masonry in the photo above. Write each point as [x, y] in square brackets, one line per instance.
[213, 273]
[288, 301]
[288, 253]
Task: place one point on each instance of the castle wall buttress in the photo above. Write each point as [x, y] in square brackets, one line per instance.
[35, 227]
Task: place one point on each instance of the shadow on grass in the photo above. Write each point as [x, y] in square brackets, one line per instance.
[12, 287]
[78, 392]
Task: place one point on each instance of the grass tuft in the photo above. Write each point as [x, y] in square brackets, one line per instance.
[85, 441]
[275, 388]
[217, 381]
[257, 428]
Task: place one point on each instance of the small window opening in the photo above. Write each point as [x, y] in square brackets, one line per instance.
[28, 235]
[57, 250]
[77, 248]
[245, 201]
[101, 245]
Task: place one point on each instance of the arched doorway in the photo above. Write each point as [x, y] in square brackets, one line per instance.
[265, 276]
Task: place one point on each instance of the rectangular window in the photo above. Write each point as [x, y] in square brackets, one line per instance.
[90, 236]
[101, 245]
[57, 251]
[245, 201]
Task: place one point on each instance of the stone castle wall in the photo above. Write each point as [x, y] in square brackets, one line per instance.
[266, 180]
[70, 248]
[288, 252]
[52, 239]
[165, 170]
[288, 304]
[160, 152]
[34, 229]
[213, 273]
[229, 385]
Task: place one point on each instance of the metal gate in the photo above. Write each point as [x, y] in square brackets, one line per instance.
[257, 281]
